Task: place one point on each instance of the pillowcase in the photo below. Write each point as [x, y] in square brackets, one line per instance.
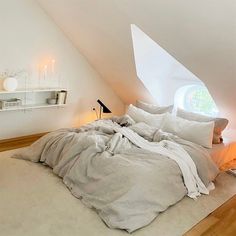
[153, 108]
[196, 132]
[220, 123]
[139, 115]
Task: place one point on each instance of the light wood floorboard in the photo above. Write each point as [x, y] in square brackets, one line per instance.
[221, 222]
[14, 143]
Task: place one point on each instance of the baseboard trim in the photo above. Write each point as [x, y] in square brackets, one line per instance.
[18, 142]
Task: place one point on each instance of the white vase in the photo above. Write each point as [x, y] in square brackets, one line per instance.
[10, 84]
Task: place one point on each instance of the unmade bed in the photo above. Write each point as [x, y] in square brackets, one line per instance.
[127, 179]
[132, 172]
[34, 201]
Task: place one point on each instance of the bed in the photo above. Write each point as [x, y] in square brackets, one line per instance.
[34, 201]
[128, 171]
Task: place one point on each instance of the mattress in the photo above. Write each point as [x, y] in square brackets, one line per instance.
[224, 154]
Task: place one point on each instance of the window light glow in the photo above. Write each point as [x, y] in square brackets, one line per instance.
[196, 98]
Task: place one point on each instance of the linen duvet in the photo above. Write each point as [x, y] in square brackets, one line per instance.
[130, 174]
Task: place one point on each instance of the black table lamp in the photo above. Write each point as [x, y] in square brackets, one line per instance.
[103, 108]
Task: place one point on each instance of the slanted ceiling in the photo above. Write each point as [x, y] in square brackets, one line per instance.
[199, 34]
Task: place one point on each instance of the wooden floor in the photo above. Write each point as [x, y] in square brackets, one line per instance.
[14, 143]
[221, 222]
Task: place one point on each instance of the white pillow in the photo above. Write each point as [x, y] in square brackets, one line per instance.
[139, 115]
[153, 108]
[196, 132]
[220, 123]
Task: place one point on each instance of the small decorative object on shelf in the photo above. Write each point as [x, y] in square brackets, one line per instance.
[10, 84]
[61, 97]
[10, 103]
[51, 101]
[10, 79]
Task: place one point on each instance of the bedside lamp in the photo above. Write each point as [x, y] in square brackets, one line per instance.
[103, 108]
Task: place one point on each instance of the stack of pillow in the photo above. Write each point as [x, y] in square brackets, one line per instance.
[154, 108]
[202, 130]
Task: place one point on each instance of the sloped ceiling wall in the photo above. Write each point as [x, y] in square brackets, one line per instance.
[200, 34]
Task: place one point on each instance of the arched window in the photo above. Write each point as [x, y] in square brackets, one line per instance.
[196, 98]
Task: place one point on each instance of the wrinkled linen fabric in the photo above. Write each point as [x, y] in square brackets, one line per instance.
[175, 152]
[128, 186]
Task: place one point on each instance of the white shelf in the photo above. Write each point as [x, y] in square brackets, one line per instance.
[34, 106]
[33, 98]
[32, 90]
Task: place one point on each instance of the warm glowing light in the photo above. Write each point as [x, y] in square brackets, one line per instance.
[84, 118]
[46, 68]
[225, 157]
[45, 71]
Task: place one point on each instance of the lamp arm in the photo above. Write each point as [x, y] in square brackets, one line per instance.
[100, 112]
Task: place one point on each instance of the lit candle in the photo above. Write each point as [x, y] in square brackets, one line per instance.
[45, 71]
[53, 66]
[39, 72]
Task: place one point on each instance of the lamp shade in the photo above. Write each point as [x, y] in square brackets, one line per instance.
[104, 107]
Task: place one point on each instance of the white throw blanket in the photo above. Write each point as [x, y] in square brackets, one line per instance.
[175, 152]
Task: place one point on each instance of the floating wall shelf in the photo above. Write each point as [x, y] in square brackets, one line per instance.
[33, 90]
[29, 107]
[32, 98]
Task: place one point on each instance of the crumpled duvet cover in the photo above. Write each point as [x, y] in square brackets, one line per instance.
[127, 185]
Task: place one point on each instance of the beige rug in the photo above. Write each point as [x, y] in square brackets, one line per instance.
[35, 202]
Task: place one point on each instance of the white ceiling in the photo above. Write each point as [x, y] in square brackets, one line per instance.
[200, 34]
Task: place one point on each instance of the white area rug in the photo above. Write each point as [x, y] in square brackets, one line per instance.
[35, 202]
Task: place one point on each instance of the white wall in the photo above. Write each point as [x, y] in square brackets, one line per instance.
[199, 34]
[28, 36]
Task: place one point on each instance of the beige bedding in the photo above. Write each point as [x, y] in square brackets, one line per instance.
[103, 165]
[34, 201]
[224, 154]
